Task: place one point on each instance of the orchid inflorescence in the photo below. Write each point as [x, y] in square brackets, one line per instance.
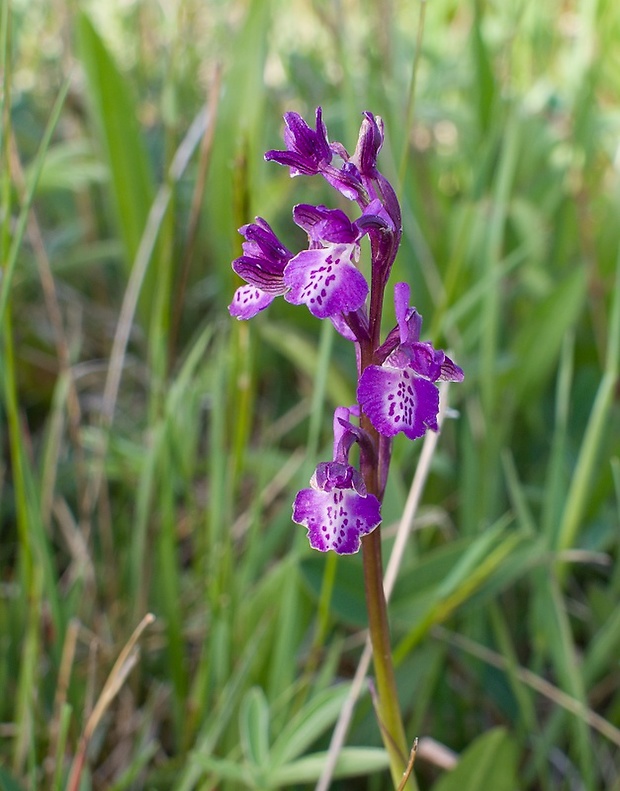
[396, 388]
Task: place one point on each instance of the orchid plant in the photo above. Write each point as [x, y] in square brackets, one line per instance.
[397, 376]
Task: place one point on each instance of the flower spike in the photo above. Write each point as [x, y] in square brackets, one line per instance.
[397, 378]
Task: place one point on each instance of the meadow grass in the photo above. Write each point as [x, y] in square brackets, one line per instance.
[163, 624]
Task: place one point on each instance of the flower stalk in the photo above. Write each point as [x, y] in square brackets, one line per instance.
[387, 704]
[396, 388]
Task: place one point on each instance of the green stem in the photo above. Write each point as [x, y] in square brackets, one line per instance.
[388, 710]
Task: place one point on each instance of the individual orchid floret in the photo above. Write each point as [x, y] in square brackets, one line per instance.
[308, 152]
[262, 267]
[337, 509]
[325, 277]
[377, 187]
[401, 394]
[325, 225]
[369, 143]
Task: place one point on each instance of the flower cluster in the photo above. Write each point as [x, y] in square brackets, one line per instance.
[397, 388]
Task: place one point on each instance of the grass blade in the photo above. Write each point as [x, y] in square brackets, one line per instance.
[115, 112]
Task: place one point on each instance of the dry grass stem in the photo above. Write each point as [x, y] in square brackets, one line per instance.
[123, 666]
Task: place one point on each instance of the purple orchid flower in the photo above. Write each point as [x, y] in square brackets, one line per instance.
[308, 152]
[369, 143]
[400, 394]
[397, 376]
[262, 267]
[364, 159]
[325, 277]
[337, 510]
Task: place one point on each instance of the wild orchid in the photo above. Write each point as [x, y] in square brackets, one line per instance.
[396, 387]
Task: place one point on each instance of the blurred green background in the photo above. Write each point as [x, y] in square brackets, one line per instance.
[152, 446]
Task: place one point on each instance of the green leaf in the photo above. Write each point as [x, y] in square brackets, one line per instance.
[470, 571]
[70, 166]
[485, 79]
[489, 763]
[227, 770]
[115, 112]
[352, 762]
[8, 782]
[595, 435]
[254, 727]
[442, 572]
[237, 150]
[537, 345]
[311, 721]
[554, 628]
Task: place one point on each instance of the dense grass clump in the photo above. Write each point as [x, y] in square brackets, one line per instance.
[152, 446]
